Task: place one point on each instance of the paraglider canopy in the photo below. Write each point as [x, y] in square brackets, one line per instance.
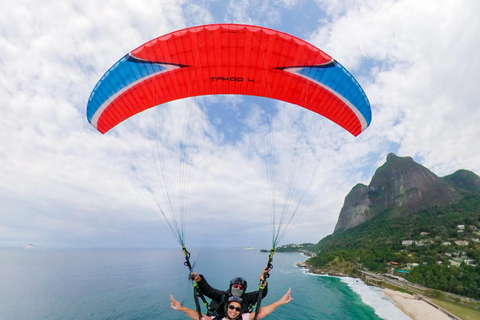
[228, 59]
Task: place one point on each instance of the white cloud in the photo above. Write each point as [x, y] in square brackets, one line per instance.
[422, 77]
[63, 182]
[52, 55]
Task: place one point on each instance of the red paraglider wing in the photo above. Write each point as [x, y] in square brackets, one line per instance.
[228, 59]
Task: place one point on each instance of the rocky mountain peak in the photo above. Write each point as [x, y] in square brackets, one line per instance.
[400, 183]
[391, 157]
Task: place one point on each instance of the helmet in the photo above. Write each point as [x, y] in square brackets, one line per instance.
[238, 280]
[234, 299]
[237, 287]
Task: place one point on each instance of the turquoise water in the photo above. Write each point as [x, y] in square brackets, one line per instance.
[137, 283]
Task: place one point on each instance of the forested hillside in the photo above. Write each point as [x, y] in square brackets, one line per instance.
[438, 248]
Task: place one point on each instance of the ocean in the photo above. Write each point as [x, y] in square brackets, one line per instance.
[137, 283]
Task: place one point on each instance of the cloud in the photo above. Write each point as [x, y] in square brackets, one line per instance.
[422, 67]
[51, 57]
[64, 184]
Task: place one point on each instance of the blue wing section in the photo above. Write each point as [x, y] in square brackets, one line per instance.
[336, 77]
[121, 75]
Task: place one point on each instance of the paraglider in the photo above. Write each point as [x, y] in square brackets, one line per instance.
[234, 308]
[237, 288]
[228, 59]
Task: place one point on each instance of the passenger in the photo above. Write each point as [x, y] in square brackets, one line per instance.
[237, 288]
[234, 309]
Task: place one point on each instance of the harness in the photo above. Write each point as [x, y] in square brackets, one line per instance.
[197, 293]
[196, 290]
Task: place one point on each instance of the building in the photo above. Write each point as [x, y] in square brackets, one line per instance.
[469, 262]
[454, 263]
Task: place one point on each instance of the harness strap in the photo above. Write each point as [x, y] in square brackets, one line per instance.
[263, 283]
[259, 301]
[196, 291]
[269, 263]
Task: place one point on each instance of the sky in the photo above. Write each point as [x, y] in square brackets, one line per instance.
[63, 184]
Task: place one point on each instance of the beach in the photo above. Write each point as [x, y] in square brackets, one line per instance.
[414, 308]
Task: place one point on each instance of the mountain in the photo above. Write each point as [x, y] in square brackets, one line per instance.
[405, 186]
[410, 223]
[464, 179]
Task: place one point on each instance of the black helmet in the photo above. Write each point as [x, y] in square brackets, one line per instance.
[234, 299]
[238, 280]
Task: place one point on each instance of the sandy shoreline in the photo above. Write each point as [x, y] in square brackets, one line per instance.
[415, 309]
[411, 306]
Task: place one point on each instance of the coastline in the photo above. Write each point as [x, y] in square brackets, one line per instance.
[412, 306]
[323, 272]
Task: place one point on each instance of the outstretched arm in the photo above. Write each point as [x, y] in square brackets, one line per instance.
[251, 297]
[263, 281]
[265, 311]
[206, 289]
[175, 305]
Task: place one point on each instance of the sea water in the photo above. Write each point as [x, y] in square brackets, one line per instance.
[137, 283]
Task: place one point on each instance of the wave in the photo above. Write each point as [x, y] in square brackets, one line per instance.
[371, 296]
[375, 298]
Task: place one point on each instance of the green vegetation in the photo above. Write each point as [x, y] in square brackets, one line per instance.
[303, 247]
[463, 280]
[470, 312]
[443, 252]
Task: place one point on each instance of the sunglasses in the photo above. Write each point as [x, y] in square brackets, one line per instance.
[234, 308]
[239, 286]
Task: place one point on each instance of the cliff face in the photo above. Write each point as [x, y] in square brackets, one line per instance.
[356, 208]
[400, 183]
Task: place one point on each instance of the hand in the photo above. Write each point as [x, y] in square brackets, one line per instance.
[286, 297]
[195, 276]
[175, 305]
[265, 270]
